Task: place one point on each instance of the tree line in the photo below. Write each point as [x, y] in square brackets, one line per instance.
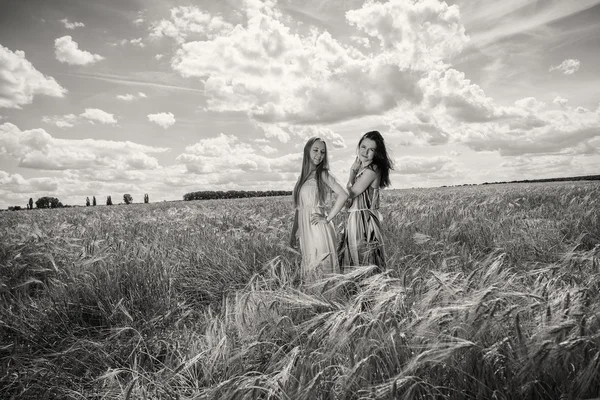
[53, 202]
[233, 194]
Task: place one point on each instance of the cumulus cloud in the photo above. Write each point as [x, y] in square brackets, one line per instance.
[422, 126]
[131, 97]
[67, 51]
[137, 42]
[20, 81]
[164, 119]
[72, 25]
[560, 101]
[564, 131]
[568, 67]
[62, 121]
[95, 114]
[421, 165]
[16, 184]
[276, 75]
[462, 100]
[223, 155]
[37, 149]
[186, 20]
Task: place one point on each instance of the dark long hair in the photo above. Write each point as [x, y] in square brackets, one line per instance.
[381, 158]
[321, 169]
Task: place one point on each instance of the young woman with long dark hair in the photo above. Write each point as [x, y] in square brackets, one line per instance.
[361, 242]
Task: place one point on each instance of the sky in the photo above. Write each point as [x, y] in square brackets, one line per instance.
[169, 97]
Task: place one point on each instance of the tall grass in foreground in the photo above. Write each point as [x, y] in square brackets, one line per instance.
[492, 292]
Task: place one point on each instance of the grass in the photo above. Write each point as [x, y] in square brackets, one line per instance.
[491, 292]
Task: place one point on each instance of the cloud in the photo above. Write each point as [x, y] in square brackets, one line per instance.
[62, 121]
[37, 149]
[223, 155]
[158, 56]
[461, 99]
[67, 51]
[164, 119]
[421, 165]
[95, 114]
[131, 97]
[568, 67]
[422, 126]
[20, 81]
[268, 149]
[275, 75]
[424, 33]
[72, 25]
[186, 20]
[137, 42]
[561, 101]
[565, 131]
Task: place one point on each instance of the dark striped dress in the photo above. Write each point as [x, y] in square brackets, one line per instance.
[361, 240]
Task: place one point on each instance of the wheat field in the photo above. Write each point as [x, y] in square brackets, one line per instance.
[492, 292]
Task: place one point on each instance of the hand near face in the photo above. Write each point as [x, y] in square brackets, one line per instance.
[356, 165]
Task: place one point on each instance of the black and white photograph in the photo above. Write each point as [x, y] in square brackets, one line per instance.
[299, 199]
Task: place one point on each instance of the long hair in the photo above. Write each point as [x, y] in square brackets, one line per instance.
[381, 158]
[321, 169]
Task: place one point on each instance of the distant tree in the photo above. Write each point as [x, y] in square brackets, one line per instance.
[48, 202]
[30, 204]
[146, 198]
[127, 198]
[87, 201]
[94, 201]
[108, 201]
[14, 208]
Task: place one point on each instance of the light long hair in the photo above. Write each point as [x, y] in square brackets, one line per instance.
[320, 170]
[381, 158]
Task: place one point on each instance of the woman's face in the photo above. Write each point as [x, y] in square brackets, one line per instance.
[366, 151]
[317, 152]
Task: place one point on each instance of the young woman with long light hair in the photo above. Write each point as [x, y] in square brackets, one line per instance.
[312, 223]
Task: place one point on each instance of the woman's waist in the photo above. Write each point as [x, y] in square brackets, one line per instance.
[310, 208]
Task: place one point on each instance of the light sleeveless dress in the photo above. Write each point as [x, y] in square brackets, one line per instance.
[361, 241]
[317, 242]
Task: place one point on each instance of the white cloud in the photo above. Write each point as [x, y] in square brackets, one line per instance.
[62, 121]
[137, 42]
[565, 131]
[138, 21]
[158, 56]
[37, 149]
[95, 114]
[131, 97]
[186, 20]
[561, 101]
[223, 155]
[72, 25]
[164, 119]
[568, 67]
[421, 165]
[418, 127]
[67, 51]
[126, 97]
[20, 81]
[268, 149]
[313, 78]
